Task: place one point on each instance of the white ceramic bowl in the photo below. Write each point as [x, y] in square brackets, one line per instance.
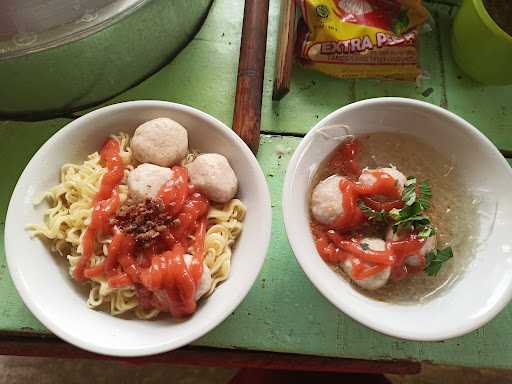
[485, 287]
[42, 279]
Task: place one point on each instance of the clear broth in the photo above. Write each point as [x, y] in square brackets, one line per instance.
[452, 210]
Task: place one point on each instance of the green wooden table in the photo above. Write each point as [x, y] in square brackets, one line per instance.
[284, 312]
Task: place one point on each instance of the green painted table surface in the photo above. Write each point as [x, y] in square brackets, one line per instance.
[284, 312]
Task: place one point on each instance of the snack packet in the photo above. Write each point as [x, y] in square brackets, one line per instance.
[361, 38]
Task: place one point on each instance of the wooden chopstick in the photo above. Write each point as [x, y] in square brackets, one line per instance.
[284, 55]
[249, 88]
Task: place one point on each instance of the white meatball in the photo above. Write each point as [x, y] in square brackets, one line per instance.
[390, 235]
[414, 260]
[206, 279]
[428, 246]
[145, 181]
[379, 279]
[160, 141]
[212, 174]
[367, 178]
[327, 200]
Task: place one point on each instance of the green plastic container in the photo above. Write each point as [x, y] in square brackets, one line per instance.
[480, 47]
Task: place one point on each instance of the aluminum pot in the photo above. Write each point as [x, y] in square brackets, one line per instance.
[63, 55]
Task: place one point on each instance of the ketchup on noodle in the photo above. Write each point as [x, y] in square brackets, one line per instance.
[106, 204]
[336, 243]
[157, 270]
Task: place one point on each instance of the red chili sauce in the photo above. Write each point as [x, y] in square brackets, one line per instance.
[339, 241]
[157, 270]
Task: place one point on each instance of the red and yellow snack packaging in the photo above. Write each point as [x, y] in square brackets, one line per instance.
[361, 38]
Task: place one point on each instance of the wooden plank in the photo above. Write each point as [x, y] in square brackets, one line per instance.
[272, 376]
[224, 23]
[211, 357]
[18, 142]
[195, 80]
[312, 95]
[285, 49]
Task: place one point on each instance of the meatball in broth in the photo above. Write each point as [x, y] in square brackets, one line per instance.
[373, 282]
[368, 177]
[416, 259]
[327, 200]
[393, 216]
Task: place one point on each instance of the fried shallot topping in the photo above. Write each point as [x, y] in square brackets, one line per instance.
[144, 220]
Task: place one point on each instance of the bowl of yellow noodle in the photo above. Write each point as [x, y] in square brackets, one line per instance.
[51, 209]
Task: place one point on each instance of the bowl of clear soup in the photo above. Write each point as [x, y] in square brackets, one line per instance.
[397, 211]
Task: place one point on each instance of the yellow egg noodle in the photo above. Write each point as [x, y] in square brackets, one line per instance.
[69, 214]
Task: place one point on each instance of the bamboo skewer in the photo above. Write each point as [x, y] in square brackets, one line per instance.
[247, 113]
[284, 56]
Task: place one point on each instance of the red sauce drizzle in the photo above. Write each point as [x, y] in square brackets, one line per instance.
[335, 244]
[172, 282]
[174, 192]
[159, 273]
[352, 216]
[344, 161]
[106, 204]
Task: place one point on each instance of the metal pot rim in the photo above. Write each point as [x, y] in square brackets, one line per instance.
[27, 43]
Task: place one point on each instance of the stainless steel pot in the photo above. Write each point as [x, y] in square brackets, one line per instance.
[62, 55]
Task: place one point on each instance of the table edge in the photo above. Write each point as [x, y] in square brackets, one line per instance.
[50, 346]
